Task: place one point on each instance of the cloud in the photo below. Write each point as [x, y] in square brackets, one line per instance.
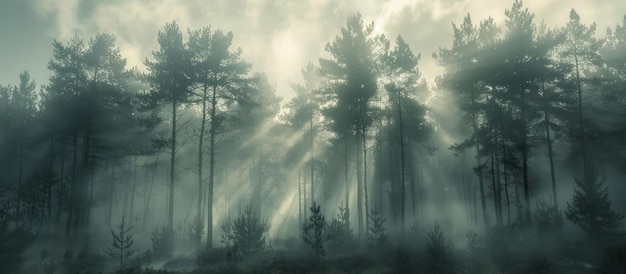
[279, 37]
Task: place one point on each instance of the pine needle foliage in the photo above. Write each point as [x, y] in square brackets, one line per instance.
[590, 208]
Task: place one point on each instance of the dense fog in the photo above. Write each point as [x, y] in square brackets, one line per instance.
[508, 158]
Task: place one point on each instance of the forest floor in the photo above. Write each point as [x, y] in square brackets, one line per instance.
[508, 256]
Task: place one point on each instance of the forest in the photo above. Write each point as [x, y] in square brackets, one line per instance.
[511, 161]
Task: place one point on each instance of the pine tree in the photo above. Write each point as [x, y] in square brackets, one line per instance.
[170, 80]
[121, 244]
[248, 231]
[338, 230]
[217, 69]
[591, 208]
[376, 235]
[439, 251]
[313, 231]
[350, 82]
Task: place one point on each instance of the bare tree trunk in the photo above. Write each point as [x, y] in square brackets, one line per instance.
[209, 233]
[200, 216]
[506, 187]
[73, 182]
[170, 212]
[90, 203]
[299, 202]
[133, 189]
[364, 144]
[525, 158]
[379, 169]
[304, 196]
[493, 186]
[111, 194]
[412, 168]
[402, 167]
[498, 179]
[20, 164]
[61, 187]
[359, 187]
[345, 174]
[312, 157]
[49, 185]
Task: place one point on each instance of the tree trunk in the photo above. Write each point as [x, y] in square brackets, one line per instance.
[493, 186]
[133, 189]
[111, 195]
[170, 212]
[305, 211]
[85, 171]
[379, 169]
[73, 182]
[478, 164]
[149, 194]
[312, 158]
[209, 233]
[402, 167]
[551, 159]
[525, 157]
[200, 216]
[90, 202]
[20, 164]
[498, 180]
[299, 202]
[345, 174]
[359, 186]
[365, 192]
[49, 185]
[580, 108]
[61, 187]
[412, 181]
[506, 187]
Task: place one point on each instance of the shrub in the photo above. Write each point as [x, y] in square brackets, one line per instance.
[210, 257]
[338, 231]
[162, 244]
[547, 219]
[614, 260]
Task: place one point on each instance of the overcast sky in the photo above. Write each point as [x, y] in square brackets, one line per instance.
[277, 36]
